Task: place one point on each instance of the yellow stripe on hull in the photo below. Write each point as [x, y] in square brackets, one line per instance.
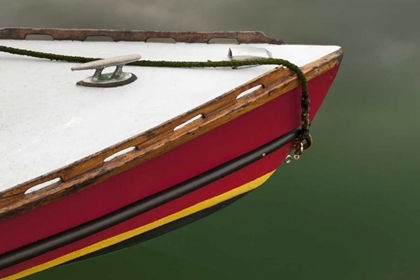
[131, 233]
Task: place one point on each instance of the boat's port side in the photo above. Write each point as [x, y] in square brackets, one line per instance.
[212, 179]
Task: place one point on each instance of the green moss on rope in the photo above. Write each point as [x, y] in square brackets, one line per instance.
[304, 133]
[171, 64]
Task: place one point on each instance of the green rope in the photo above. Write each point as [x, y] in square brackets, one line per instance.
[304, 134]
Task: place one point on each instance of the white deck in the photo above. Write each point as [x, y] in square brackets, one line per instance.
[46, 121]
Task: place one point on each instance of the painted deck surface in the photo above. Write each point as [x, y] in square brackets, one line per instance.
[46, 121]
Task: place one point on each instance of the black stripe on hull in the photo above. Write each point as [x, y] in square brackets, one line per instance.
[144, 205]
[160, 230]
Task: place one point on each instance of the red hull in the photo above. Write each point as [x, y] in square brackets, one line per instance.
[216, 147]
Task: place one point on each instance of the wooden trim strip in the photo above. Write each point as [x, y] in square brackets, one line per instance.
[159, 140]
[138, 35]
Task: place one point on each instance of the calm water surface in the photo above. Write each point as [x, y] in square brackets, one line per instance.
[350, 208]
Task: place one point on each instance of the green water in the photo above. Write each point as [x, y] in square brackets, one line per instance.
[349, 209]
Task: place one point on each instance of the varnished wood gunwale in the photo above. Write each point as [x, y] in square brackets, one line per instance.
[152, 143]
[254, 37]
